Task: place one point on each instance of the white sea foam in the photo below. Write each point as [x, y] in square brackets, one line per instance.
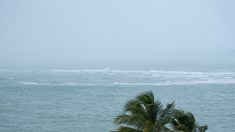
[79, 70]
[175, 83]
[29, 83]
[59, 84]
[138, 71]
[167, 83]
[135, 77]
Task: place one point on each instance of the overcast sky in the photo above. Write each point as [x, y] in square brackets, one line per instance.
[48, 32]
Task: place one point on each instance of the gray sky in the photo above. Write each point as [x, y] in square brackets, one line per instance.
[49, 32]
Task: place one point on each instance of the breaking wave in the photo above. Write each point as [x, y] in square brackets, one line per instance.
[58, 84]
[130, 83]
[110, 77]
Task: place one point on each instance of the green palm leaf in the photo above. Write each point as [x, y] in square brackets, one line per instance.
[136, 121]
[127, 129]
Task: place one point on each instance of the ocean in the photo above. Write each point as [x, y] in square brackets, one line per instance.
[87, 100]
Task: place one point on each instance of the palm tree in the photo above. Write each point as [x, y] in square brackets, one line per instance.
[145, 114]
[185, 121]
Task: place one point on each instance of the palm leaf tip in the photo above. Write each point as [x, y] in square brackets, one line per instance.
[135, 121]
[146, 97]
[127, 129]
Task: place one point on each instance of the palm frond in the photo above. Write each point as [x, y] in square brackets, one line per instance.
[127, 129]
[184, 119]
[166, 115]
[203, 128]
[146, 97]
[157, 109]
[134, 107]
[135, 121]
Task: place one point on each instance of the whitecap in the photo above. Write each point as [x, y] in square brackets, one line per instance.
[29, 83]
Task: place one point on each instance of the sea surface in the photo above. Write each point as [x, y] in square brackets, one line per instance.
[87, 100]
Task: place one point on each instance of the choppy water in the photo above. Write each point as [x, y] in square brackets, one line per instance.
[88, 100]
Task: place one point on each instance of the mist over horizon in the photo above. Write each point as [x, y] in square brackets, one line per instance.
[116, 34]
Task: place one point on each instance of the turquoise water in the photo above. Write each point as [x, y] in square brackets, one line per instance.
[88, 100]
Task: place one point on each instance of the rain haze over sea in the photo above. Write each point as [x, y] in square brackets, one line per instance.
[68, 66]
